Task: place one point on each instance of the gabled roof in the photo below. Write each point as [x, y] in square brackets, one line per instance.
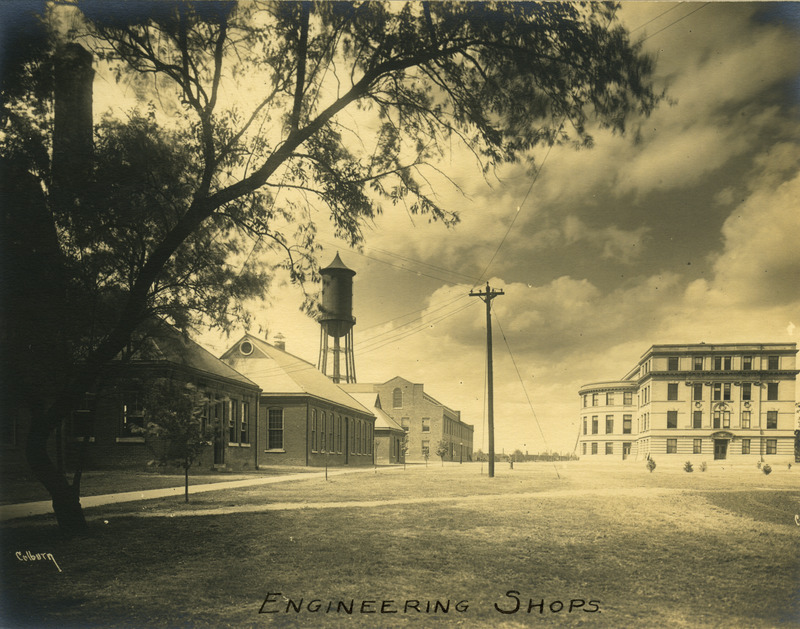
[163, 343]
[279, 372]
[382, 419]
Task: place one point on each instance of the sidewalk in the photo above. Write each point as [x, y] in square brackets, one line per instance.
[43, 507]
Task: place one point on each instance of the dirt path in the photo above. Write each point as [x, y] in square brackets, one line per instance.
[371, 504]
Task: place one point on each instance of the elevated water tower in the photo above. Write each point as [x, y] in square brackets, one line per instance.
[337, 320]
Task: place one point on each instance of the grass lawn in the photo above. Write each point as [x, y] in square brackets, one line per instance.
[667, 549]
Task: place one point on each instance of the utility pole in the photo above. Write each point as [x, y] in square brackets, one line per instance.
[487, 298]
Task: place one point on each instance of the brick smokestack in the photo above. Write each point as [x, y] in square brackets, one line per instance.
[72, 129]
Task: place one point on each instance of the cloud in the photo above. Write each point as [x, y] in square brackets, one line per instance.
[760, 262]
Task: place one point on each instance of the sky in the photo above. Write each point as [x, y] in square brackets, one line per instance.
[689, 234]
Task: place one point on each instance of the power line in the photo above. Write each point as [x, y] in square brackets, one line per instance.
[676, 21]
[672, 8]
[524, 389]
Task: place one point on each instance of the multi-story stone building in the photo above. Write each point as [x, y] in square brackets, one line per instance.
[730, 401]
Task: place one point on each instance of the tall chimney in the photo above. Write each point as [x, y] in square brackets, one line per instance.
[72, 128]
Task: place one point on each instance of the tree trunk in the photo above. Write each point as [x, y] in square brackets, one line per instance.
[66, 501]
[186, 478]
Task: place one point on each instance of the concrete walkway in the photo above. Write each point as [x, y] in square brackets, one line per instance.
[43, 507]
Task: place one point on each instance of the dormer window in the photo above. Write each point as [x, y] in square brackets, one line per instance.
[245, 348]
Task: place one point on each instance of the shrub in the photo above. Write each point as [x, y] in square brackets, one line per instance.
[687, 467]
[767, 468]
[703, 466]
[790, 466]
[651, 464]
[758, 465]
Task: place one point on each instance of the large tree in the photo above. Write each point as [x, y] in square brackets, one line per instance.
[243, 100]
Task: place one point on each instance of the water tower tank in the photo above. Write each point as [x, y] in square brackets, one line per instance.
[337, 298]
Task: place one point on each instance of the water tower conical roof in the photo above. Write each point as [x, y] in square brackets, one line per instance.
[337, 265]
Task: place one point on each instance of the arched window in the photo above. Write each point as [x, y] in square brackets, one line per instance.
[397, 398]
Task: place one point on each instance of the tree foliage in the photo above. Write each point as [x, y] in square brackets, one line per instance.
[175, 426]
[256, 119]
[442, 449]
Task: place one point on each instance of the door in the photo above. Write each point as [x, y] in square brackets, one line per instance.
[626, 450]
[720, 449]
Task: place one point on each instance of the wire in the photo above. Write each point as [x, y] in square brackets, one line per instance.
[672, 8]
[676, 21]
[524, 389]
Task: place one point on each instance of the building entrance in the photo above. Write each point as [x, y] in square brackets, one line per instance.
[720, 449]
[626, 450]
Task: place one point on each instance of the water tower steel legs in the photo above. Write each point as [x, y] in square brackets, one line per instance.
[349, 357]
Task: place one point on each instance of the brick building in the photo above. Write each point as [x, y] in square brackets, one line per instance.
[307, 419]
[426, 421]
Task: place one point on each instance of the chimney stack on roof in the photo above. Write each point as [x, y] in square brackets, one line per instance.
[279, 342]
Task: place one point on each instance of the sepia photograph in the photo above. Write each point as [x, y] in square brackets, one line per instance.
[333, 314]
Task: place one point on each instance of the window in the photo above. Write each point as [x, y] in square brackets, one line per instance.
[626, 424]
[672, 391]
[747, 363]
[697, 446]
[772, 420]
[672, 363]
[745, 419]
[697, 419]
[244, 437]
[594, 424]
[426, 424]
[726, 391]
[314, 430]
[233, 422]
[594, 448]
[726, 363]
[397, 398]
[609, 424]
[726, 419]
[426, 448]
[331, 426]
[773, 363]
[339, 434]
[717, 391]
[583, 449]
[717, 363]
[717, 418]
[747, 390]
[745, 446]
[672, 446]
[82, 425]
[772, 390]
[609, 399]
[772, 446]
[594, 399]
[404, 423]
[585, 400]
[358, 437]
[697, 363]
[584, 425]
[697, 391]
[275, 429]
[609, 447]
[323, 433]
[672, 419]
[132, 416]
